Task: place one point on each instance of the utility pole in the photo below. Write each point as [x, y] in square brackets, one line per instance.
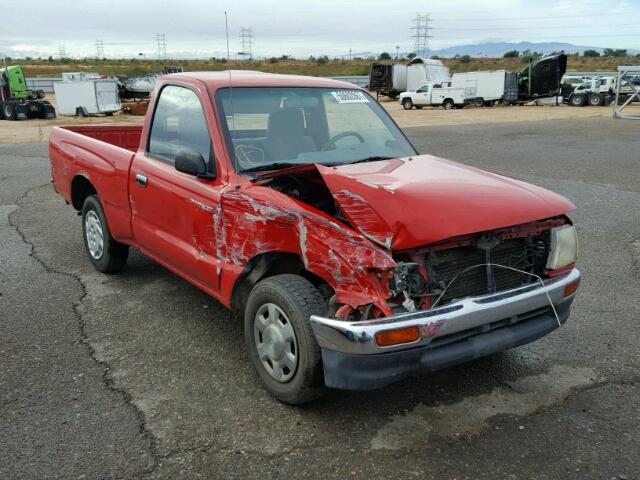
[161, 40]
[397, 51]
[62, 51]
[421, 25]
[99, 49]
[246, 38]
[349, 54]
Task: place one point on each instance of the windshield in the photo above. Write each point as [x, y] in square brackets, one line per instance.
[270, 128]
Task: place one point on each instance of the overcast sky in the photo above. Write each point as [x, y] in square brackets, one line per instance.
[195, 28]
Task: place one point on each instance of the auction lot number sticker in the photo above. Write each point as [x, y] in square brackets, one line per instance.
[350, 96]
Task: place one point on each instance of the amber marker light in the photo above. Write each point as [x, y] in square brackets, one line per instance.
[389, 338]
[571, 289]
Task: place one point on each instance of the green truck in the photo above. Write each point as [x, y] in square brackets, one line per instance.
[17, 102]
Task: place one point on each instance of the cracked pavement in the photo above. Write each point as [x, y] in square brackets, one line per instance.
[141, 375]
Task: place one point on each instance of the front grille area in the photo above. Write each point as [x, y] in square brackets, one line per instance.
[528, 254]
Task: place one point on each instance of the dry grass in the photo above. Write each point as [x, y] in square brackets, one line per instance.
[331, 68]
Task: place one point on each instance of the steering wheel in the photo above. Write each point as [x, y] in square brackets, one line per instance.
[332, 141]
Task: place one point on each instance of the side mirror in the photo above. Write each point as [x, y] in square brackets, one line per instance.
[190, 162]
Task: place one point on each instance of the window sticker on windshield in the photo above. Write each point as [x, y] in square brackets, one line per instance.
[350, 96]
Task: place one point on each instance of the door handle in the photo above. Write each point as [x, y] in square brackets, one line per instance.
[141, 179]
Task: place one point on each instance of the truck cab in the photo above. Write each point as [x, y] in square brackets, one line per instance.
[17, 102]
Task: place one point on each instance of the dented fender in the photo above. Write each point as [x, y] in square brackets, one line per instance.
[257, 220]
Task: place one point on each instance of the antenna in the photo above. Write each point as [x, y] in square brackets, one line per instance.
[233, 115]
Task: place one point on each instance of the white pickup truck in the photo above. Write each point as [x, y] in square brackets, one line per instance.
[434, 94]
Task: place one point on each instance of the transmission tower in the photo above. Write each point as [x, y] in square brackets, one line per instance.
[99, 49]
[422, 34]
[62, 51]
[246, 38]
[161, 40]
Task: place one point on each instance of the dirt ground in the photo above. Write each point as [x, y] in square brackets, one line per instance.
[38, 130]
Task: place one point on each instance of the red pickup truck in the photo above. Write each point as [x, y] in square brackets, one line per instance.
[299, 203]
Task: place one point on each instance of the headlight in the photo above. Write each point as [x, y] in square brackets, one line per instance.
[564, 247]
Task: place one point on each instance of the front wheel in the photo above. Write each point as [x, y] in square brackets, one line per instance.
[106, 254]
[576, 100]
[407, 104]
[279, 338]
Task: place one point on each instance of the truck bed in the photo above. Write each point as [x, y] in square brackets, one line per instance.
[101, 155]
[123, 136]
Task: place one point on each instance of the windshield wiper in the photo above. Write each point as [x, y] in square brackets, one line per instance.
[270, 166]
[370, 159]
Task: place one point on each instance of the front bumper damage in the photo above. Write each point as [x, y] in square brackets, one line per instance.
[455, 333]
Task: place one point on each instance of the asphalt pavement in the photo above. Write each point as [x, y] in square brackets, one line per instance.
[141, 375]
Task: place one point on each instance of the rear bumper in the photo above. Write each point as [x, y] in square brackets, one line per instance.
[453, 334]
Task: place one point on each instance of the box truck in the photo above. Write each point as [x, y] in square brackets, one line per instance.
[487, 87]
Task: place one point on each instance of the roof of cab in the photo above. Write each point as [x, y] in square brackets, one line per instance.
[252, 78]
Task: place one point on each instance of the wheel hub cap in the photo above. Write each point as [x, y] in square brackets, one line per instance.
[94, 235]
[275, 342]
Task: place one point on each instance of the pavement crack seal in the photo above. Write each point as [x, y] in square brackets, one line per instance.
[635, 252]
[84, 339]
[470, 416]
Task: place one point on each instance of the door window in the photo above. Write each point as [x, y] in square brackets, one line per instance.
[179, 123]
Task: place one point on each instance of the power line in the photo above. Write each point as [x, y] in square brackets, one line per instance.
[563, 27]
[246, 38]
[421, 36]
[161, 40]
[509, 19]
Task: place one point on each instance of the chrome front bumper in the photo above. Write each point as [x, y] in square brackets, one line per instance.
[479, 313]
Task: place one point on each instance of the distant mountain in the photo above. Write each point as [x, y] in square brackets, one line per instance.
[498, 49]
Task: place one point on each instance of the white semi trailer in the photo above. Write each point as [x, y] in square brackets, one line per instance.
[392, 79]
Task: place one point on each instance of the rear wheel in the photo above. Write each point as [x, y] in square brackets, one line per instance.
[407, 104]
[595, 100]
[418, 106]
[106, 254]
[279, 338]
[448, 104]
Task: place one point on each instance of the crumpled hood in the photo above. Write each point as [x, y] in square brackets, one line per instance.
[410, 202]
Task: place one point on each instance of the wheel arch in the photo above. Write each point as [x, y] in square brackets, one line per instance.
[81, 188]
[266, 265]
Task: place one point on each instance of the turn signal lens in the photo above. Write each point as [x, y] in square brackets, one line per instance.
[389, 338]
[571, 288]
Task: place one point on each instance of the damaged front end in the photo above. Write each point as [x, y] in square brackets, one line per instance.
[454, 302]
[409, 295]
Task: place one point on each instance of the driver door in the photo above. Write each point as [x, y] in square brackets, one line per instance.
[423, 95]
[172, 212]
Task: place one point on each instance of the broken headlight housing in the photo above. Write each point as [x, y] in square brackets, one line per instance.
[563, 250]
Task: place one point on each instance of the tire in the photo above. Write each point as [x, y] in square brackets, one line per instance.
[418, 106]
[595, 100]
[576, 100]
[9, 111]
[407, 104]
[295, 300]
[109, 256]
[40, 94]
[448, 104]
